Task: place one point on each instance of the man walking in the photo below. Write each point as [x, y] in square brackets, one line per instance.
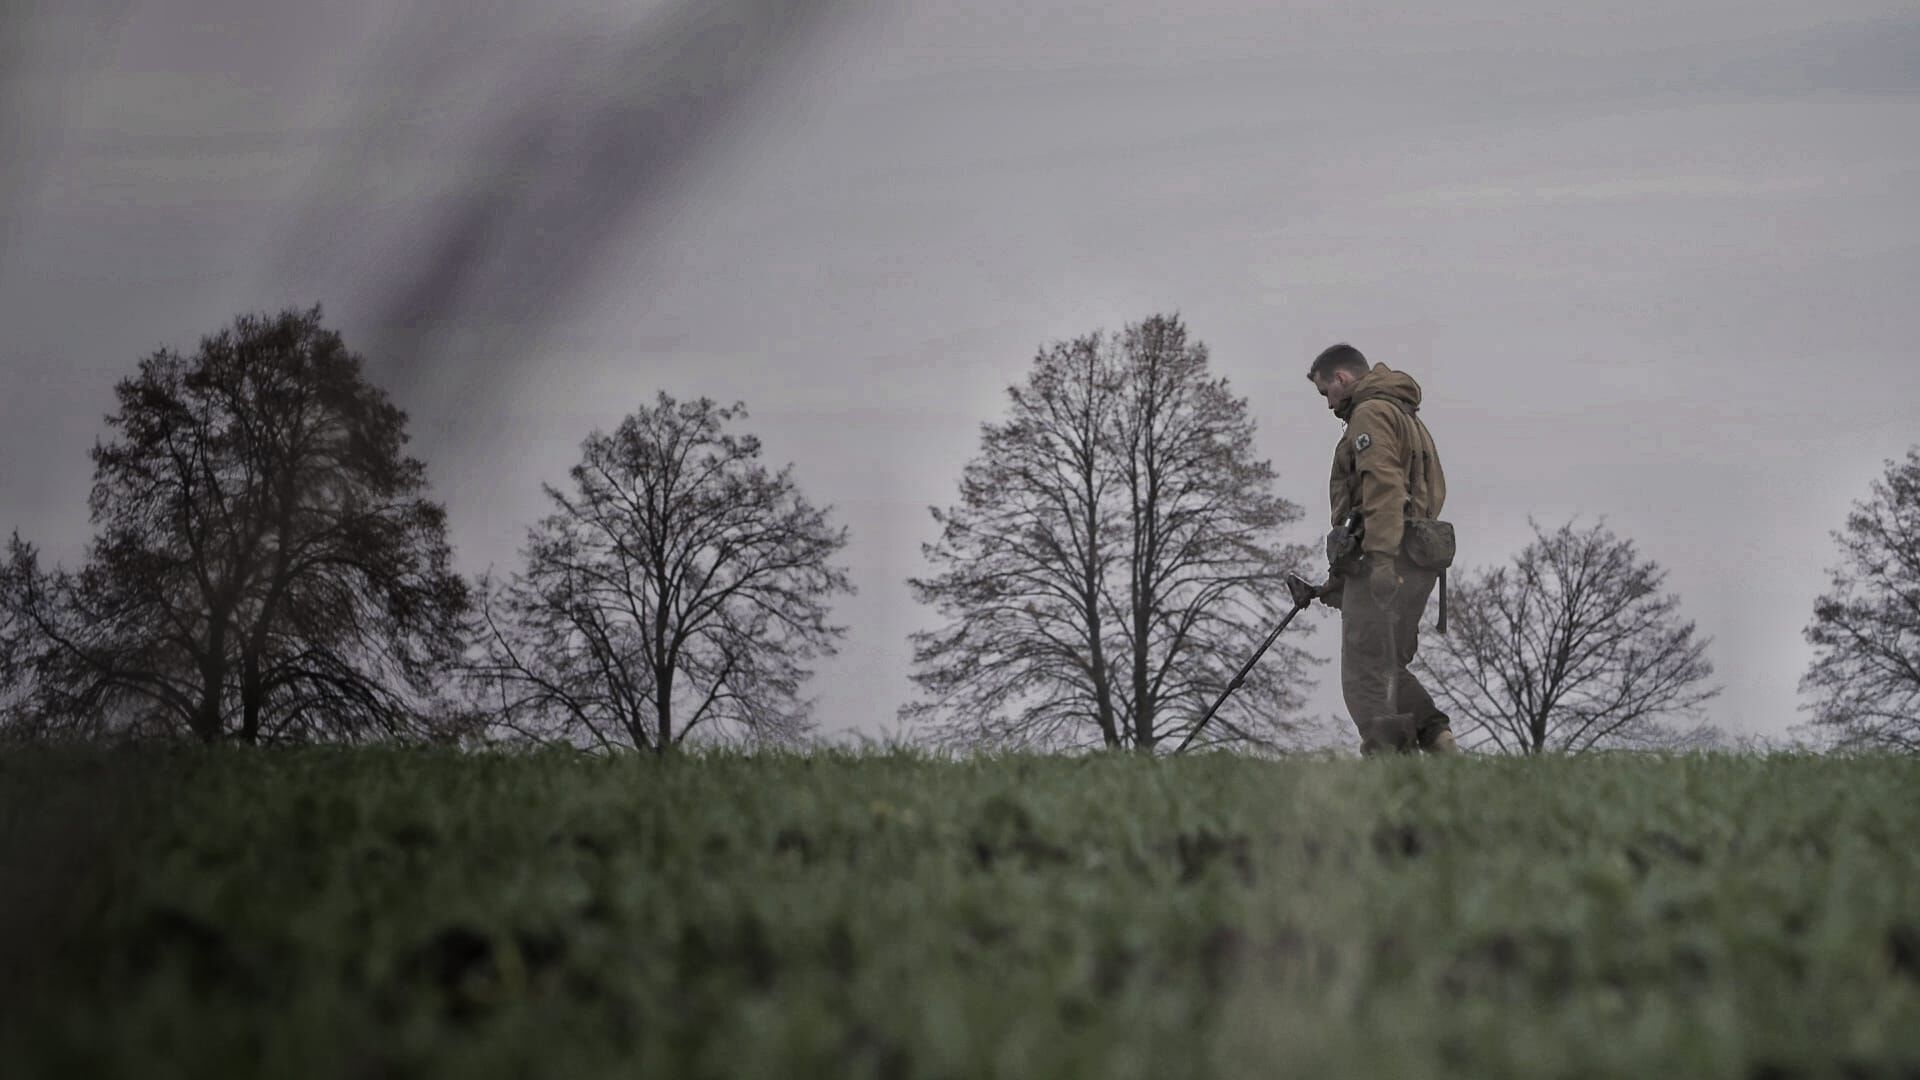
[1386, 470]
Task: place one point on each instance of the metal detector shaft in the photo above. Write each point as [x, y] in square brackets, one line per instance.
[1240, 678]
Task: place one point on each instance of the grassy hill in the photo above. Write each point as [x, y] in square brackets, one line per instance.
[370, 913]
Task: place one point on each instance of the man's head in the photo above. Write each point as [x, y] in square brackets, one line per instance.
[1334, 372]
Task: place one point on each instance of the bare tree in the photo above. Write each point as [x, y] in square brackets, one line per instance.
[265, 567]
[1114, 557]
[1574, 647]
[679, 587]
[19, 576]
[1866, 628]
[1025, 557]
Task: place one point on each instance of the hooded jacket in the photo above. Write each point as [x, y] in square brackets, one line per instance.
[1386, 465]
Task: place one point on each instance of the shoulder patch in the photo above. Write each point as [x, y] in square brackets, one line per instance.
[1365, 440]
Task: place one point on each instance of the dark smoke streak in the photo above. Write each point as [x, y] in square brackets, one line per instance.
[570, 156]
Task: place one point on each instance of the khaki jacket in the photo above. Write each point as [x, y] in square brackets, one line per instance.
[1386, 465]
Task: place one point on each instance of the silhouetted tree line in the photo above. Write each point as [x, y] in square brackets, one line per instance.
[267, 566]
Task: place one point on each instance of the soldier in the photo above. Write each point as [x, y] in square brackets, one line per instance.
[1386, 469]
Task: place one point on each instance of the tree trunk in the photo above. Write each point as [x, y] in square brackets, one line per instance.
[1102, 681]
[1090, 597]
[252, 701]
[213, 678]
[663, 708]
[1143, 703]
[1097, 660]
[206, 718]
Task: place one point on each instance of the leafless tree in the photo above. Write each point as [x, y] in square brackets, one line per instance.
[1866, 628]
[1114, 556]
[18, 576]
[679, 587]
[1573, 647]
[265, 566]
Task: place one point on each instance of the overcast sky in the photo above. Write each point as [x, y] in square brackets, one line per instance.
[1652, 261]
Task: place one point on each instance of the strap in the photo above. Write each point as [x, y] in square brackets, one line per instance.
[1442, 625]
[1422, 460]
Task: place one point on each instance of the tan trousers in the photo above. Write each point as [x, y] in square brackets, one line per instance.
[1367, 663]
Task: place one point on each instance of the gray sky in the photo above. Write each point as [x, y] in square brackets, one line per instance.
[1652, 261]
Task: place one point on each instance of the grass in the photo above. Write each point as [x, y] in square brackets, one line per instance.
[337, 913]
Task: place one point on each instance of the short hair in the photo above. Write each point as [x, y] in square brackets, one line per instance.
[1341, 357]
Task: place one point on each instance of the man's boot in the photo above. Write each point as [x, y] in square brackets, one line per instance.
[1438, 739]
[1390, 734]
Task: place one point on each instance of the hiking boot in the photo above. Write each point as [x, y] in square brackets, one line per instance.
[1391, 734]
[1439, 740]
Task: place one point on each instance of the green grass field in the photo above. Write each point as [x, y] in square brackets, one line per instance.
[388, 913]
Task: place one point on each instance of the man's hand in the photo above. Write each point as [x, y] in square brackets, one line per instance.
[1331, 592]
[1305, 592]
[1383, 582]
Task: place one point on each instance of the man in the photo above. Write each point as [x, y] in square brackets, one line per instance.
[1386, 469]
